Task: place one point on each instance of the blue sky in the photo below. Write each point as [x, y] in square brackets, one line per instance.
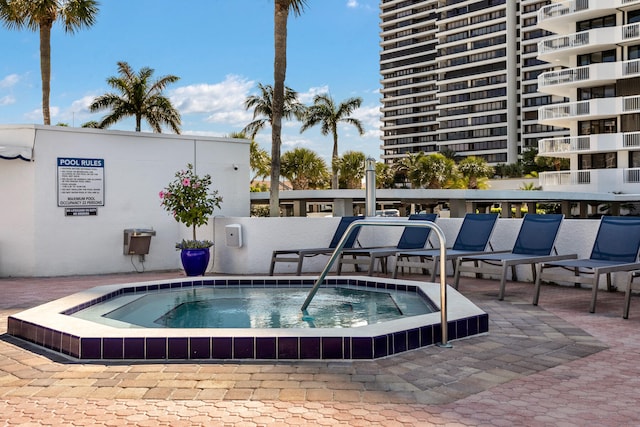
[220, 49]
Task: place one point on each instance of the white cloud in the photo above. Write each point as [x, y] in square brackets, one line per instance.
[9, 81]
[357, 4]
[289, 143]
[82, 105]
[35, 116]
[223, 102]
[369, 116]
[7, 100]
[307, 97]
[53, 112]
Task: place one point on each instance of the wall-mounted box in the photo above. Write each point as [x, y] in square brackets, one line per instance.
[137, 241]
[233, 235]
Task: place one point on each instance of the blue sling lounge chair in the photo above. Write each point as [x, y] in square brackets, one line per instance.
[411, 238]
[615, 249]
[473, 238]
[298, 255]
[535, 243]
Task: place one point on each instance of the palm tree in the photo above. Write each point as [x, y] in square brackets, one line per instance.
[351, 169]
[432, 171]
[474, 169]
[305, 169]
[280, 18]
[324, 111]
[91, 124]
[139, 97]
[259, 160]
[404, 166]
[263, 108]
[529, 186]
[385, 176]
[40, 15]
[449, 153]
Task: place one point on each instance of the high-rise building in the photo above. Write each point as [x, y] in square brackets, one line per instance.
[461, 76]
[408, 64]
[596, 49]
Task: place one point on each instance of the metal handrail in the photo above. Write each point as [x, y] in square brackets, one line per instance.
[384, 223]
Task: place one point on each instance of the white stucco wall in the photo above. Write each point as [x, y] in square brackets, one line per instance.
[36, 237]
[263, 235]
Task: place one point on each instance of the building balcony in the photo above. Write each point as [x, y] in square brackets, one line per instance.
[564, 82]
[558, 17]
[622, 180]
[559, 49]
[565, 114]
[604, 142]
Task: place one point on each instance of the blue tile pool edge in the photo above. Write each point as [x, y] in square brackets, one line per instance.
[199, 348]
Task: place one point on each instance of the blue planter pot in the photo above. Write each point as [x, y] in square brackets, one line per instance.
[195, 261]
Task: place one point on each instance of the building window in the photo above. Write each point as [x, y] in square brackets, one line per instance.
[598, 161]
[633, 17]
[600, 22]
[634, 159]
[597, 57]
[630, 122]
[608, 91]
[594, 127]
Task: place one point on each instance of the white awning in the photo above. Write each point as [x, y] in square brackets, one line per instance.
[16, 151]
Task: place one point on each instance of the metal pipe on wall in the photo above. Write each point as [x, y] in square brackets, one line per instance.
[370, 186]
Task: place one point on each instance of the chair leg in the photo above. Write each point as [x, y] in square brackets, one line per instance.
[503, 281]
[478, 274]
[372, 265]
[384, 265]
[423, 261]
[627, 296]
[456, 274]
[610, 287]
[594, 291]
[339, 266]
[536, 291]
[533, 272]
[299, 269]
[434, 268]
[395, 268]
[273, 264]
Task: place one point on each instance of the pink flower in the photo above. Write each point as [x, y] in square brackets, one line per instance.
[161, 194]
[186, 182]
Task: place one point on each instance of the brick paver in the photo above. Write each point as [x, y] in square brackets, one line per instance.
[555, 364]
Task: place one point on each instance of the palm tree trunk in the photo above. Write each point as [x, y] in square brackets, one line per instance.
[45, 69]
[281, 14]
[334, 161]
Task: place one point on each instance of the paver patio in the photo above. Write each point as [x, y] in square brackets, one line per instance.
[554, 365]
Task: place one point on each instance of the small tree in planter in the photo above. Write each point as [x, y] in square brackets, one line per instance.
[191, 202]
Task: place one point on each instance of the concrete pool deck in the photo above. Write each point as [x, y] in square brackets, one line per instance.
[554, 365]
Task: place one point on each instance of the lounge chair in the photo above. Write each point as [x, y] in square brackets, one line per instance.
[535, 243]
[411, 238]
[473, 238]
[627, 295]
[615, 249]
[298, 255]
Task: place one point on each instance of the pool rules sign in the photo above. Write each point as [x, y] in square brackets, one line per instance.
[80, 185]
